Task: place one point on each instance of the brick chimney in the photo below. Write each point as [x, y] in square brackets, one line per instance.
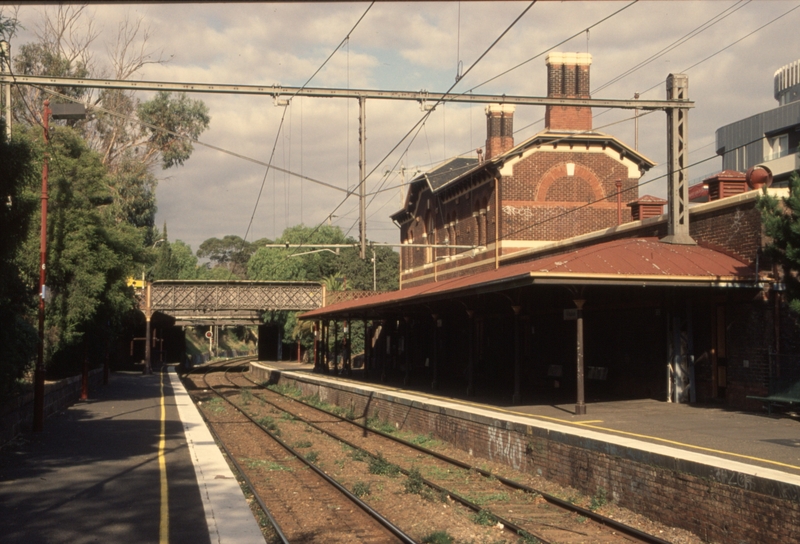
[568, 77]
[499, 129]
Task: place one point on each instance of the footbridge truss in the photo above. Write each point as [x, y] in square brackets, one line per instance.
[197, 302]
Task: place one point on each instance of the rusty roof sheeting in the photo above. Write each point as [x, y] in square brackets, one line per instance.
[632, 260]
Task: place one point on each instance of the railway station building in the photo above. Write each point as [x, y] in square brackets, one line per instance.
[537, 273]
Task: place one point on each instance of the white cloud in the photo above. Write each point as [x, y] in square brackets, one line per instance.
[414, 46]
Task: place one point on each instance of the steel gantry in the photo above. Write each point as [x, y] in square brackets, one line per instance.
[676, 107]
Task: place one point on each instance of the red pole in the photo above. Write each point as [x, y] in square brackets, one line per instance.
[85, 380]
[38, 375]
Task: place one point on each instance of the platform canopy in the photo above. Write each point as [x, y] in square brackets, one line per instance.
[633, 262]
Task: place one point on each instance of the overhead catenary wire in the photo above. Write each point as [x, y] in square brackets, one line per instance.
[718, 51]
[606, 18]
[565, 40]
[730, 10]
[376, 192]
[283, 116]
[636, 187]
[426, 114]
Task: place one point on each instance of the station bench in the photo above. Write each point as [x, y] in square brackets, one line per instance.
[782, 393]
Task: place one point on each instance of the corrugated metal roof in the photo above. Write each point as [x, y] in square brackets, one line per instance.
[449, 171]
[635, 261]
[644, 257]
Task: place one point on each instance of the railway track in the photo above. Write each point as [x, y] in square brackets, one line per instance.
[362, 458]
[302, 503]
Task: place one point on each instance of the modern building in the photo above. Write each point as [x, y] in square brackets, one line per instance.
[770, 138]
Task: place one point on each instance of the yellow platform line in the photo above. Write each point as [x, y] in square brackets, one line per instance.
[163, 528]
[587, 424]
[690, 446]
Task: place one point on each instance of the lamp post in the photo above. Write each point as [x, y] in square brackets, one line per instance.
[59, 111]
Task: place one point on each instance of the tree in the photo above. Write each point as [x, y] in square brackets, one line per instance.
[231, 253]
[63, 49]
[782, 224]
[18, 338]
[132, 137]
[90, 255]
[174, 121]
[326, 266]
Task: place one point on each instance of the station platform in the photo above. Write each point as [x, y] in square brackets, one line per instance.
[726, 476]
[135, 463]
[757, 439]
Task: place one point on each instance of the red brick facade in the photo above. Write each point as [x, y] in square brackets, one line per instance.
[558, 184]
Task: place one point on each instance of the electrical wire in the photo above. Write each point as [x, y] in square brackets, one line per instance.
[677, 43]
[529, 60]
[636, 187]
[193, 140]
[283, 116]
[523, 63]
[418, 124]
[722, 49]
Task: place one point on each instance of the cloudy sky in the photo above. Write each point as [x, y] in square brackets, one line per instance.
[720, 45]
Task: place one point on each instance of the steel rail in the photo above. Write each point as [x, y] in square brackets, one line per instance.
[598, 518]
[455, 496]
[403, 537]
[240, 471]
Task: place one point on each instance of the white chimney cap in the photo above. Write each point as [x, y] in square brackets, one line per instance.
[504, 109]
[569, 58]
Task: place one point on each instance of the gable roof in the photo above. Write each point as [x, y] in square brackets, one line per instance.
[453, 171]
[440, 176]
[575, 139]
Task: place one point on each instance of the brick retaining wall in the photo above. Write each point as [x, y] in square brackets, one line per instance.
[17, 415]
[721, 505]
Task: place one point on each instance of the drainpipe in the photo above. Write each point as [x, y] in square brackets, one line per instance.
[619, 201]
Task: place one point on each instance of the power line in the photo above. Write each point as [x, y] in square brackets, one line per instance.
[638, 185]
[501, 74]
[283, 117]
[428, 113]
[677, 43]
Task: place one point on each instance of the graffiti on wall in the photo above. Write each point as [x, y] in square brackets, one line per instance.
[506, 447]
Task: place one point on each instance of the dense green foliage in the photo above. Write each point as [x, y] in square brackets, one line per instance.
[18, 337]
[90, 254]
[173, 115]
[782, 224]
[345, 270]
[230, 253]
